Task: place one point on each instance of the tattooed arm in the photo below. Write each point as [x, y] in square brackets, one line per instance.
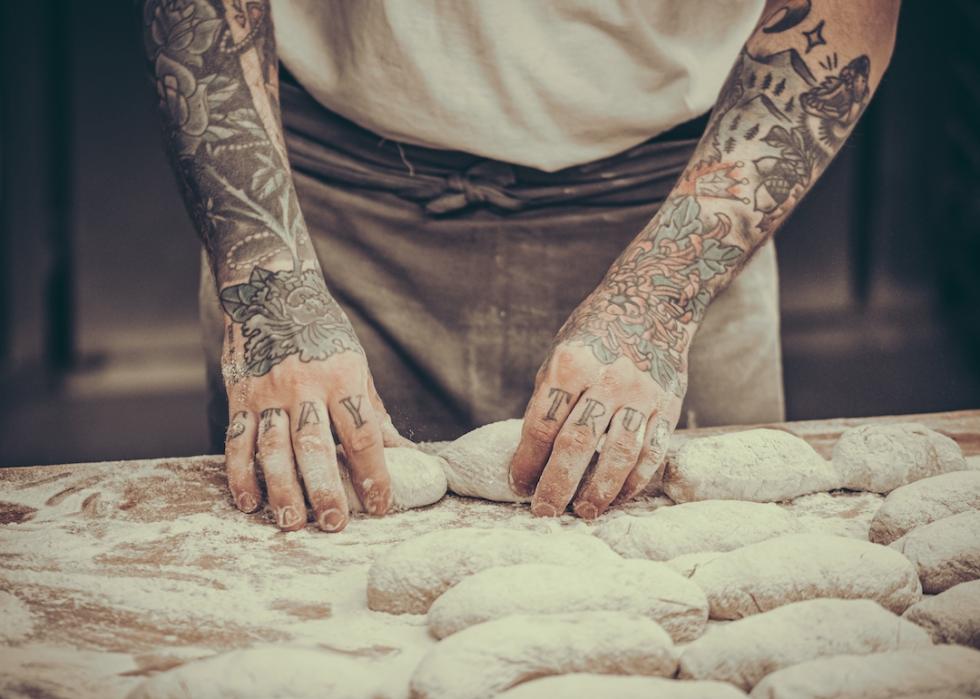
[620, 361]
[292, 364]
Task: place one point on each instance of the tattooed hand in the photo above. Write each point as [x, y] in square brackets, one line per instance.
[618, 369]
[293, 367]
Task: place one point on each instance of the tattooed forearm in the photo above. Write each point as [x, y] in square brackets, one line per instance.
[781, 117]
[216, 73]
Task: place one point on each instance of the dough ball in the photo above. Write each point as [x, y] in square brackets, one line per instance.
[882, 457]
[417, 479]
[478, 463]
[952, 616]
[759, 465]
[925, 501]
[747, 650]
[945, 552]
[274, 671]
[689, 562]
[486, 659]
[586, 686]
[940, 672]
[407, 578]
[638, 588]
[709, 525]
[796, 567]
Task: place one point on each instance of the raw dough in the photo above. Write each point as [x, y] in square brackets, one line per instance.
[486, 659]
[639, 588]
[274, 671]
[945, 552]
[940, 672]
[586, 686]
[407, 578]
[923, 502]
[710, 525]
[689, 562]
[760, 465]
[745, 651]
[952, 616]
[417, 479]
[478, 463]
[771, 573]
[881, 458]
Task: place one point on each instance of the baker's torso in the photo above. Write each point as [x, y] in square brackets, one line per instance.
[543, 84]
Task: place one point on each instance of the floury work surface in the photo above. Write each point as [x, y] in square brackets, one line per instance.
[112, 572]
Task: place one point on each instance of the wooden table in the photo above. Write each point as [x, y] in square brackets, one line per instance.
[110, 572]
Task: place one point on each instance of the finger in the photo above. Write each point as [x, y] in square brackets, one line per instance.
[359, 430]
[240, 460]
[316, 457]
[276, 458]
[390, 436]
[546, 412]
[651, 459]
[573, 451]
[618, 457]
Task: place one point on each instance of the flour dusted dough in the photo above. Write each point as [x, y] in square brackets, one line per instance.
[881, 458]
[407, 578]
[486, 659]
[952, 616]
[478, 463]
[759, 465]
[586, 686]
[417, 479]
[279, 671]
[769, 574]
[945, 552]
[689, 562]
[747, 650]
[638, 588]
[940, 672]
[925, 501]
[709, 525]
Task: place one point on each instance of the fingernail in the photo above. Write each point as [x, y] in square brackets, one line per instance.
[332, 520]
[543, 509]
[586, 510]
[246, 502]
[287, 516]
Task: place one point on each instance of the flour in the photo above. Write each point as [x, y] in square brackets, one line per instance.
[882, 457]
[409, 577]
[952, 616]
[769, 574]
[693, 527]
[486, 659]
[478, 463]
[946, 672]
[759, 465]
[586, 686]
[18, 622]
[638, 588]
[275, 671]
[925, 501]
[747, 650]
[945, 552]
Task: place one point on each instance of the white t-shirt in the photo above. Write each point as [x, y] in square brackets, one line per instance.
[543, 83]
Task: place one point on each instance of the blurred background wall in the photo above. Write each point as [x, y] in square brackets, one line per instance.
[99, 351]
